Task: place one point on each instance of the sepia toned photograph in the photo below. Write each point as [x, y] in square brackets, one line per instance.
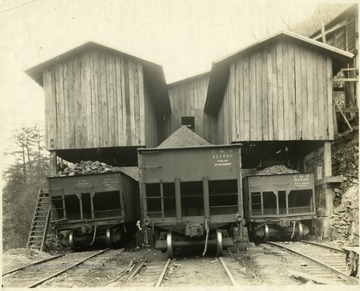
[204, 144]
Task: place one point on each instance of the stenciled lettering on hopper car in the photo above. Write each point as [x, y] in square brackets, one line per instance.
[302, 180]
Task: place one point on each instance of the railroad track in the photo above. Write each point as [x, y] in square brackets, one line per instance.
[329, 265]
[35, 274]
[179, 272]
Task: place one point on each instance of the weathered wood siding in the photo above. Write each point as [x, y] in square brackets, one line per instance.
[152, 124]
[93, 100]
[187, 98]
[280, 92]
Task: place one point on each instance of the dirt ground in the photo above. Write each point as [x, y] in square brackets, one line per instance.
[255, 266]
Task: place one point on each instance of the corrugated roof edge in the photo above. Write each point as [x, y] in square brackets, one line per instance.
[225, 61]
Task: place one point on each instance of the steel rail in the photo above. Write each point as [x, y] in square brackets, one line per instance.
[163, 272]
[66, 269]
[232, 279]
[32, 264]
[315, 260]
[138, 268]
[323, 246]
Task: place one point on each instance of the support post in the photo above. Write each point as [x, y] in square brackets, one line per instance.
[53, 163]
[206, 197]
[329, 191]
[178, 199]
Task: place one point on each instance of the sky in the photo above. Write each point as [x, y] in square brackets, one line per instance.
[184, 36]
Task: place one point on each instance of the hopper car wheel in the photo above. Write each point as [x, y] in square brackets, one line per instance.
[71, 240]
[266, 236]
[300, 231]
[108, 237]
[351, 265]
[219, 243]
[169, 244]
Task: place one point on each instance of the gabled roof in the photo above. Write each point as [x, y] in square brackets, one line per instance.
[153, 73]
[189, 79]
[183, 137]
[220, 69]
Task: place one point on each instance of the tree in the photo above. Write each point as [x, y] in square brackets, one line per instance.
[23, 180]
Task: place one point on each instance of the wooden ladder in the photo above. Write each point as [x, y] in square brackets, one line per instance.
[40, 222]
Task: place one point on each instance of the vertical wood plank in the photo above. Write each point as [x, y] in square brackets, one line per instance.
[330, 106]
[304, 94]
[66, 97]
[270, 94]
[282, 97]
[104, 134]
[127, 102]
[88, 100]
[246, 99]
[124, 102]
[142, 104]
[310, 94]
[49, 112]
[59, 143]
[274, 94]
[286, 77]
[264, 95]
[322, 94]
[233, 102]
[291, 89]
[252, 98]
[110, 98]
[316, 95]
[94, 100]
[131, 99]
[298, 93]
[116, 106]
[137, 105]
[259, 96]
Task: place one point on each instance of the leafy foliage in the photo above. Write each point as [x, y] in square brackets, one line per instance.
[23, 180]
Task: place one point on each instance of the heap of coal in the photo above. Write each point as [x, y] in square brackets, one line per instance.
[273, 170]
[183, 137]
[87, 167]
[276, 170]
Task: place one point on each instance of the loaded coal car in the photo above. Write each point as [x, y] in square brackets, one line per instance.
[279, 206]
[191, 194]
[88, 208]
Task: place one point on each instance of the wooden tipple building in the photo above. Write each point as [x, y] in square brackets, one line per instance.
[274, 97]
[102, 104]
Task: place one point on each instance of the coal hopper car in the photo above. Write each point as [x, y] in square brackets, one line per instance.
[95, 208]
[279, 206]
[192, 196]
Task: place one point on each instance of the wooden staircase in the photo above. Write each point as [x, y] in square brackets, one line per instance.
[40, 222]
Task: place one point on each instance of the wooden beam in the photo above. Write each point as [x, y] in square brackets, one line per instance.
[336, 27]
[352, 110]
[345, 79]
[343, 115]
[330, 180]
[308, 277]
